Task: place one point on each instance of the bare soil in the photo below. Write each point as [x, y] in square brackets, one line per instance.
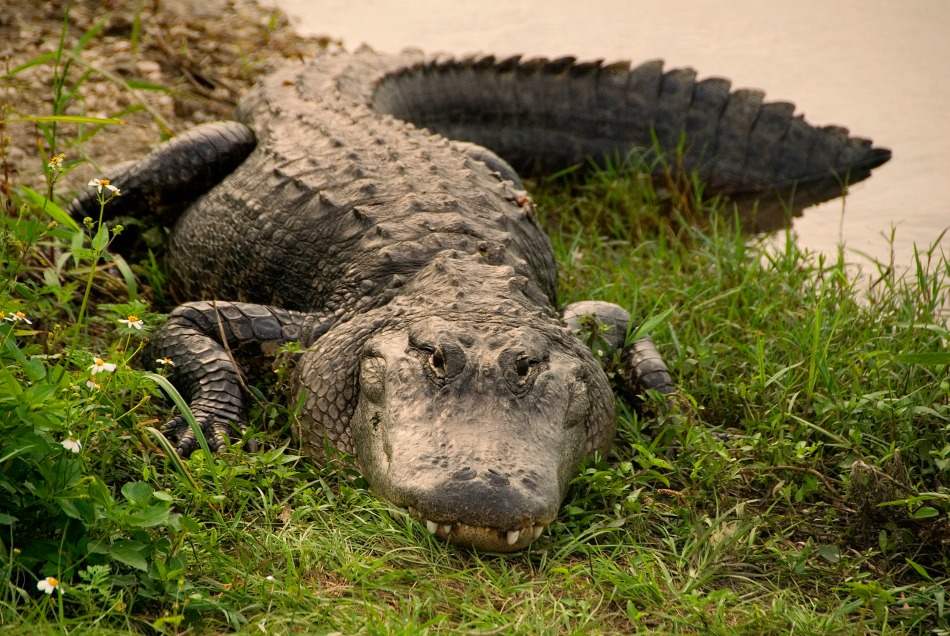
[204, 53]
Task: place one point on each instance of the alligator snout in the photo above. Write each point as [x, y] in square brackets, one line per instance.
[482, 537]
[487, 509]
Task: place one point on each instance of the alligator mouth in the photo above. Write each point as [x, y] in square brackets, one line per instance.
[483, 538]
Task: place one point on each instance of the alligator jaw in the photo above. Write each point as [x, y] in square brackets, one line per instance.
[483, 538]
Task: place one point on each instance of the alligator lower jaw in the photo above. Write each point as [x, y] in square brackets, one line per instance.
[483, 537]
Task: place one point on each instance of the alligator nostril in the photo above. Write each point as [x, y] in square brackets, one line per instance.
[465, 474]
[495, 478]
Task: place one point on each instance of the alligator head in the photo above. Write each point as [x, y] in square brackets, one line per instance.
[465, 399]
[477, 429]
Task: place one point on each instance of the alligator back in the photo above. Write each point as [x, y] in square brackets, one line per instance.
[352, 184]
[338, 206]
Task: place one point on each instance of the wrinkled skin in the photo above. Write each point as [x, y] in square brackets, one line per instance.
[426, 443]
[474, 418]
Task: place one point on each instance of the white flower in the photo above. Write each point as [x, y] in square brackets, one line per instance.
[99, 184]
[71, 444]
[48, 585]
[56, 163]
[133, 322]
[100, 365]
[17, 317]
[93, 385]
[165, 362]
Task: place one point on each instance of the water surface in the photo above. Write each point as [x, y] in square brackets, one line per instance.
[878, 67]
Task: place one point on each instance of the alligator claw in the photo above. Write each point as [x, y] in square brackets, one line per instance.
[218, 431]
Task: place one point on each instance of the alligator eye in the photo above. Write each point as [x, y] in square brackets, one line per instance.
[522, 367]
[521, 370]
[437, 362]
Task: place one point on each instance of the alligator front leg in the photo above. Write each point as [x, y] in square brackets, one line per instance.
[160, 186]
[642, 366]
[207, 342]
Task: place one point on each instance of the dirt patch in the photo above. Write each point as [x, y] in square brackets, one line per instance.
[202, 53]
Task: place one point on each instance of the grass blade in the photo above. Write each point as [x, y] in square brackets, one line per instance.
[48, 207]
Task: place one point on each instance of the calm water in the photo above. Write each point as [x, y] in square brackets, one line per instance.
[878, 67]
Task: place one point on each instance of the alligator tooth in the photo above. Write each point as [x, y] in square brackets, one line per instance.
[513, 536]
[431, 526]
[447, 529]
[537, 531]
[412, 511]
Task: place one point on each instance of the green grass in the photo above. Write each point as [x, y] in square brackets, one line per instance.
[810, 395]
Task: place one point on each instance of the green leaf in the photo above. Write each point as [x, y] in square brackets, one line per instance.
[127, 275]
[190, 524]
[925, 512]
[149, 86]
[35, 369]
[48, 207]
[99, 493]
[51, 55]
[138, 492]
[40, 394]
[26, 292]
[173, 457]
[919, 568]
[101, 239]
[92, 32]
[65, 119]
[9, 385]
[129, 553]
[80, 509]
[650, 325]
[11, 346]
[830, 553]
[926, 359]
[150, 517]
[26, 442]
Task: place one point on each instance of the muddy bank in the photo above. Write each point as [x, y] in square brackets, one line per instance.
[189, 61]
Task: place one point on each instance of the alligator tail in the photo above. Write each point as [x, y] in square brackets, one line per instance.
[546, 115]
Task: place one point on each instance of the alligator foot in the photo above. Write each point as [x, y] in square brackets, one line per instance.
[602, 325]
[216, 428]
[607, 324]
[206, 343]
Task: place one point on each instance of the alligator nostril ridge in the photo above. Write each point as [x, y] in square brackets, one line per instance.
[495, 478]
[465, 474]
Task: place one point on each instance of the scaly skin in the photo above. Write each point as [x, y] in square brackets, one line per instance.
[412, 268]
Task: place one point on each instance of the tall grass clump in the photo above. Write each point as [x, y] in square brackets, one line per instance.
[88, 535]
[796, 483]
[815, 397]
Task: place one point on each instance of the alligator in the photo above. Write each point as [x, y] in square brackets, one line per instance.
[370, 207]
